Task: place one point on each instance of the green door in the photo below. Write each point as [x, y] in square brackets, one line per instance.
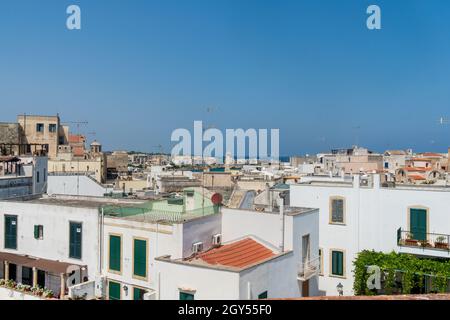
[11, 232]
[114, 290]
[186, 296]
[418, 223]
[138, 293]
[337, 263]
[75, 240]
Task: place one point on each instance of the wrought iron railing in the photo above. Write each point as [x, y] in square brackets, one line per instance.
[423, 240]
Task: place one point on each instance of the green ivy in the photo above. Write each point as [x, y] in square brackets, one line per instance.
[408, 269]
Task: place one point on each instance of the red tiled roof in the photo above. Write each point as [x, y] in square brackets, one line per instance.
[238, 254]
[416, 177]
[431, 154]
[75, 138]
[416, 169]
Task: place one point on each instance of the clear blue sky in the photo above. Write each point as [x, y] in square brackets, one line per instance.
[139, 69]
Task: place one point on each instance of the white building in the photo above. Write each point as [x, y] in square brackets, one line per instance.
[354, 217]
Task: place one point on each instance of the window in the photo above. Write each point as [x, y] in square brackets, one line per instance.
[114, 290]
[52, 127]
[186, 296]
[39, 127]
[39, 232]
[140, 258]
[262, 295]
[37, 177]
[337, 210]
[337, 263]
[418, 223]
[115, 248]
[10, 232]
[75, 240]
[138, 293]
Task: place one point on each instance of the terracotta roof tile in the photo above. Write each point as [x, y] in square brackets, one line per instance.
[238, 254]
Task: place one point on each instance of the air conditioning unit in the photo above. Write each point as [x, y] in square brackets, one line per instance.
[150, 296]
[217, 239]
[197, 247]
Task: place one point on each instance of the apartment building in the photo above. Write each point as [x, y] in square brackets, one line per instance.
[356, 216]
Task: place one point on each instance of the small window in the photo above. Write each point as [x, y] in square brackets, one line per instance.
[39, 127]
[337, 210]
[37, 177]
[262, 295]
[186, 296]
[52, 127]
[39, 232]
[140, 258]
[115, 250]
[337, 263]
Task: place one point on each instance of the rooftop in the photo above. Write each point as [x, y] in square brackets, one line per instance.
[239, 254]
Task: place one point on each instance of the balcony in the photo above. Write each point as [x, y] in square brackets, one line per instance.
[424, 241]
[308, 269]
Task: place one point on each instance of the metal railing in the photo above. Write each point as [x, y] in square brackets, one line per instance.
[423, 240]
[309, 268]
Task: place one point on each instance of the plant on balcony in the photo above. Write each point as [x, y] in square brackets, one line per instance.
[401, 273]
[23, 287]
[48, 293]
[37, 291]
[2, 282]
[11, 284]
[441, 243]
[410, 241]
[425, 243]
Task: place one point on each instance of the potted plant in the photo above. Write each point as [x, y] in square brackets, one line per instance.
[48, 294]
[11, 284]
[410, 241]
[441, 243]
[425, 243]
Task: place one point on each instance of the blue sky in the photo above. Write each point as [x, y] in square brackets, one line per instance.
[139, 69]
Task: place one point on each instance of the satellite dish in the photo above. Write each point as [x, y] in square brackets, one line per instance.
[216, 198]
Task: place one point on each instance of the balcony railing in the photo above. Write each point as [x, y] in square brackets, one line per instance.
[309, 268]
[423, 240]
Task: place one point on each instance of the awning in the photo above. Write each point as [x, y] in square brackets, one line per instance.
[51, 266]
[15, 258]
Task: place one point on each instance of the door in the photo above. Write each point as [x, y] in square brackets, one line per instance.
[305, 288]
[305, 249]
[27, 276]
[11, 232]
[13, 271]
[75, 240]
[418, 223]
[41, 278]
[114, 290]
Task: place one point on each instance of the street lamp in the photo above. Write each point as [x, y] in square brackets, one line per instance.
[340, 289]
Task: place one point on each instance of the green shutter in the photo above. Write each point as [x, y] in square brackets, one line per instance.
[140, 258]
[418, 223]
[36, 232]
[114, 253]
[337, 263]
[186, 296]
[263, 295]
[75, 240]
[114, 290]
[138, 294]
[11, 232]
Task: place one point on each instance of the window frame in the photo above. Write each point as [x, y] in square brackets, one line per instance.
[344, 205]
[39, 231]
[343, 263]
[4, 231]
[40, 126]
[52, 125]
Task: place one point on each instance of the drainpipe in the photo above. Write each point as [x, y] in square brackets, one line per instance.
[100, 242]
[280, 201]
[249, 291]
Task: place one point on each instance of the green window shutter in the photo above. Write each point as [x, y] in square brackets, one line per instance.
[11, 232]
[138, 294]
[140, 258]
[418, 223]
[75, 240]
[186, 296]
[114, 253]
[114, 290]
[263, 295]
[337, 267]
[36, 232]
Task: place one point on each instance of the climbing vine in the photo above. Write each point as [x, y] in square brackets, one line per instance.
[401, 273]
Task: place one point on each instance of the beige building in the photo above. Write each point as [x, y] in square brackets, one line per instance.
[45, 130]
